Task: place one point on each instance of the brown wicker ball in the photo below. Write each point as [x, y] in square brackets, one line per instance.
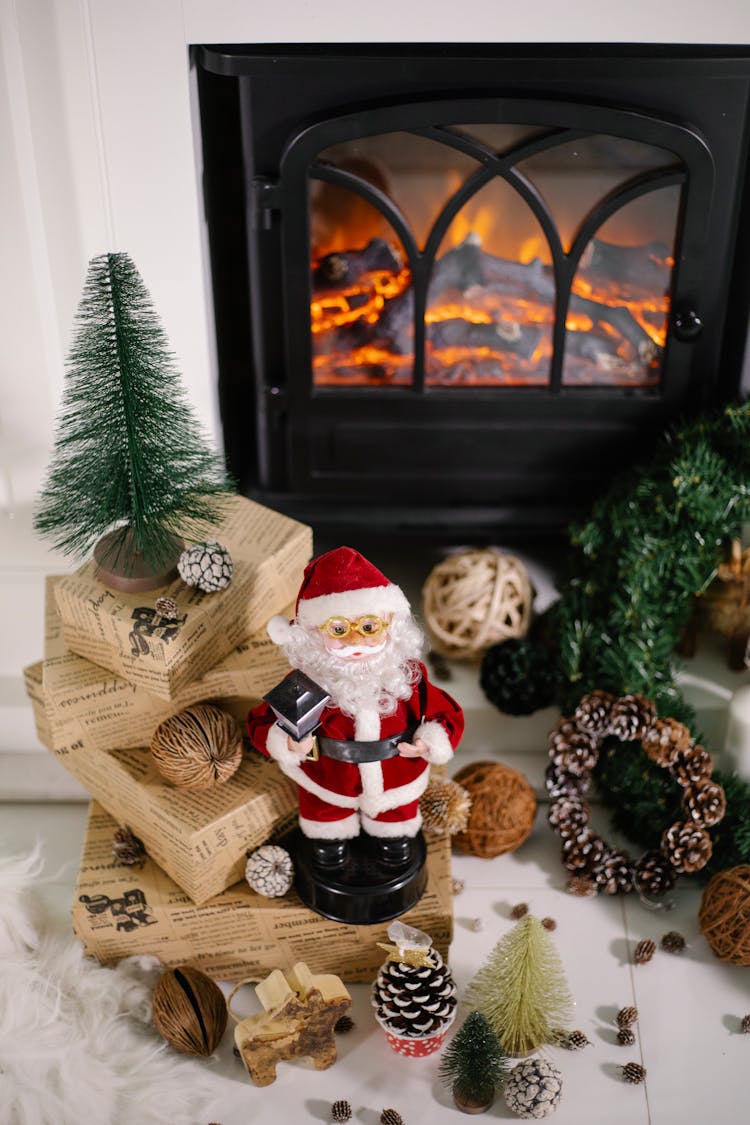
[198, 748]
[503, 807]
[724, 916]
[475, 599]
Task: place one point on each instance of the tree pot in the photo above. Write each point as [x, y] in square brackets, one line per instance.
[122, 567]
[479, 1103]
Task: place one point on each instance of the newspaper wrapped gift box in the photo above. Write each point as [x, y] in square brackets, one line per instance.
[200, 839]
[120, 911]
[124, 633]
[113, 714]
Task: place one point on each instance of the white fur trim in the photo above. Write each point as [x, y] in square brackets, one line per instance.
[296, 773]
[389, 828]
[279, 629]
[439, 745]
[345, 829]
[352, 603]
[376, 801]
[276, 745]
[367, 724]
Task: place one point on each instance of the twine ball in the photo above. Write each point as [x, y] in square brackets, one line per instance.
[475, 599]
[198, 748]
[207, 566]
[503, 807]
[724, 915]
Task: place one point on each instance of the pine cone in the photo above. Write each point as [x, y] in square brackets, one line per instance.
[391, 1117]
[687, 847]
[568, 816]
[633, 1072]
[581, 886]
[572, 1040]
[343, 1025]
[584, 852]
[673, 942]
[549, 924]
[572, 750]
[341, 1111]
[592, 713]
[705, 802]
[626, 1017]
[691, 765]
[413, 1001]
[614, 875]
[520, 910]
[445, 806]
[625, 1037]
[167, 608]
[631, 717]
[654, 874]
[665, 739]
[644, 951]
[745, 1025]
[127, 848]
[560, 783]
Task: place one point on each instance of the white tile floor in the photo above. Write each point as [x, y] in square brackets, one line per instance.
[690, 1006]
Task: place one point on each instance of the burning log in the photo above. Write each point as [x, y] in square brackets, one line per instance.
[520, 339]
[646, 267]
[345, 267]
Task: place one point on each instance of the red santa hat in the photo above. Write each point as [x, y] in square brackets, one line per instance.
[341, 583]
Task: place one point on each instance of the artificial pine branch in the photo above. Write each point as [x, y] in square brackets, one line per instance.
[521, 990]
[128, 450]
[474, 1064]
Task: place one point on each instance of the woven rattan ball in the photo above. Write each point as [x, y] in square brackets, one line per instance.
[475, 599]
[724, 915]
[503, 807]
[198, 748]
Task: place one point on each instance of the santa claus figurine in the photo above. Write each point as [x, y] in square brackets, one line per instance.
[368, 763]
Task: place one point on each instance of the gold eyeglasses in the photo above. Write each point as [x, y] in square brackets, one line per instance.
[341, 627]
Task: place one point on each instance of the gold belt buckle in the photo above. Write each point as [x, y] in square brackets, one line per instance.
[314, 752]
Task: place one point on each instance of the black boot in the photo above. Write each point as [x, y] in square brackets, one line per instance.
[329, 855]
[394, 851]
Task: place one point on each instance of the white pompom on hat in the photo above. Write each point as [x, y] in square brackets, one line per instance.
[340, 583]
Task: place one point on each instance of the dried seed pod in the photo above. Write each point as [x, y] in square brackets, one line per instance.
[673, 942]
[520, 910]
[633, 1072]
[198, 748]
[625, 1037]
[341, 1110]
[644, 951]
[457, 885]
[626, 1017]
[189, 1011]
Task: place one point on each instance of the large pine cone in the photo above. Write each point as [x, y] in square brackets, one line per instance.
[568, 816]
[687, 847]
[614, 875]
[583, 852]
[654, 874]
[631, 717]
[572, 750]
[691, 765]
[592, 713]
[560, 783]
[665, 738]
[705, 802]
[414, 1000]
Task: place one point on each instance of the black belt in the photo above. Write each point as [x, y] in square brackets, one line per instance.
[352, 750]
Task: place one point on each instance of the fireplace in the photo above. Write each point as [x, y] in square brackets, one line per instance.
[465, 287]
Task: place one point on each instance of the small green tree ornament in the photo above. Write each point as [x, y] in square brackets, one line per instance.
[522, 991]
[130, 462]
[474, 1065]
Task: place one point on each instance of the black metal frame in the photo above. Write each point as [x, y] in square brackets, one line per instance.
[297, 464]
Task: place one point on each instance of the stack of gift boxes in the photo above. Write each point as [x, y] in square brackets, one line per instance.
[114, 668]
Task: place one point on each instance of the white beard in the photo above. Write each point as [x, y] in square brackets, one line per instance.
[369, 685]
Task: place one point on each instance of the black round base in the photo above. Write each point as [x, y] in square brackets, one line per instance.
[363, 892]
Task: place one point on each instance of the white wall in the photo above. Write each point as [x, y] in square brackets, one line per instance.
[97, 137]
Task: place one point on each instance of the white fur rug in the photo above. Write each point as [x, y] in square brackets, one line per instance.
[76, 1045]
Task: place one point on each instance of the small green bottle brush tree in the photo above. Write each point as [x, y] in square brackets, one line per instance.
[474, 1065]
[131, 471]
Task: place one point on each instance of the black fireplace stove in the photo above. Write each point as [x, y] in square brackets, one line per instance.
[461, 287]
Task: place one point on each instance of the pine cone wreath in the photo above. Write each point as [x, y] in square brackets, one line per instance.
[593, 712]
[644, 951]
[687, 847]
[673, 942]
[705, 802]
[391, 1117]
[341, 1110]
[583, 852]
[560, 783]
[572, 750]
[634, 1072]
[614, 875]
[664, 740]
[654, 874]
[625, 1037]
[581, 886]
[626, 1017]
[127, 848]
[692, 764]
[631, 717]
[568, 816]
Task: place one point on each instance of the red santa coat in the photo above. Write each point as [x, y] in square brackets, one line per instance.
[383, 797]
